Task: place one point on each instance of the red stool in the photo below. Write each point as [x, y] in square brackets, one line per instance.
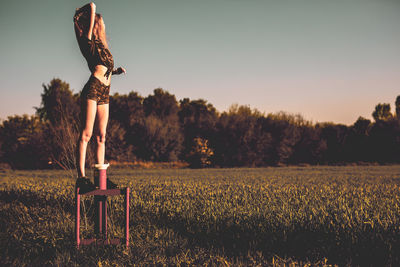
[100, 201]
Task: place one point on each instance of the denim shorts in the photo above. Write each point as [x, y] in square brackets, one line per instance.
[95, 90]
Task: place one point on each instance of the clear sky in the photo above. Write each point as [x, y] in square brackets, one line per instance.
[330, 60]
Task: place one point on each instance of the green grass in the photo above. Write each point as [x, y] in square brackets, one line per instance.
[264, 216]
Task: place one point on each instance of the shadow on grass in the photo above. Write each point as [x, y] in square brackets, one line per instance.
[367, 247]
[31, 198]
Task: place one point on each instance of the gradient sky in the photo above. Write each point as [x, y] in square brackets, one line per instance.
[330, 60]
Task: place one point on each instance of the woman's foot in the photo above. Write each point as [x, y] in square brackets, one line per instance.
[84, 184]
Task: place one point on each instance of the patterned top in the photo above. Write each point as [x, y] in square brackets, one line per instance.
[96, 54]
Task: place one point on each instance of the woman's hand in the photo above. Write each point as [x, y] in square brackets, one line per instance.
[118, 71]
[87, 7]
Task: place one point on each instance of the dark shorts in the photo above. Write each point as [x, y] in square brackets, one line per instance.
[95, 90]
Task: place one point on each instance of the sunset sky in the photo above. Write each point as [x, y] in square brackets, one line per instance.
[329, 60]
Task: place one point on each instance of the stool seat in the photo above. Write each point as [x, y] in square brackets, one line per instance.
[105, 192]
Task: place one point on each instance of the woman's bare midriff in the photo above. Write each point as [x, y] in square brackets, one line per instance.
[99, 71]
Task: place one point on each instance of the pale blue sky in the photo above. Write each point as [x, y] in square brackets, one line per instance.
[330, 60]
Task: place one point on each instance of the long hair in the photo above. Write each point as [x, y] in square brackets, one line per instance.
[82, 23]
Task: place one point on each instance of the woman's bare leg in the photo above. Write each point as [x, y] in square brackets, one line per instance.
[89, 110]
[101, 127]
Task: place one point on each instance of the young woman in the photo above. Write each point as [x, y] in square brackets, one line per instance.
[91, 36]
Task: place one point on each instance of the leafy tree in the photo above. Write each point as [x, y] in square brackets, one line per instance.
[199, 156]
[116, 146]
[362, 126]
[357, 147]
[197, 119]
[397, 104]
[58, 102]
[161, 140]
[310, 148]
[60, 108]
[385, 141]
[161, 136]
[161, 104]
[385, 135]
[335, 136]
[240, 139]
[127, 112]
[24, 145]
[285, 132]
[382, 112]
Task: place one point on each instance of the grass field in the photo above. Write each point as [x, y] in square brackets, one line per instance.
[264, 216]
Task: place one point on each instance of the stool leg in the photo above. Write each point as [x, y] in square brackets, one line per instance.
[77, 217]
[104, 219]
[127, 217]
[98, 215]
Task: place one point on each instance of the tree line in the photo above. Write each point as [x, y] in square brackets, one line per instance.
[159, 128]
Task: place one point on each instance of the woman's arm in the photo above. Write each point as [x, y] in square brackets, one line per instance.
[92, 15]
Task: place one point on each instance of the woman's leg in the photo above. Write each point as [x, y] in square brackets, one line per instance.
[101, 127]
[89, 115]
